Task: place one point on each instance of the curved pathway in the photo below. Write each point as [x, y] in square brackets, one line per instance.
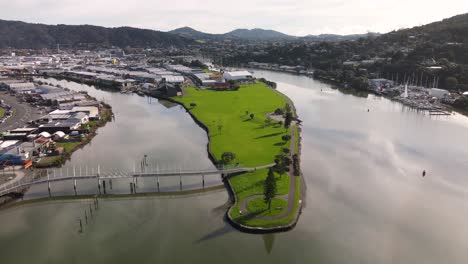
[290, 196]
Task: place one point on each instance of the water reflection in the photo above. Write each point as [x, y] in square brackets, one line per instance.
[268, 241]
[142, 126]
[366, 199]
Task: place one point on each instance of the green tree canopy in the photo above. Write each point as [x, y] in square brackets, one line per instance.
[228, 157]
[451, 83]
[270, 188]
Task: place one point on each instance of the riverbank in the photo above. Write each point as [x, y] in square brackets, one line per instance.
[420, 101]
[237, 123]
[70, 147]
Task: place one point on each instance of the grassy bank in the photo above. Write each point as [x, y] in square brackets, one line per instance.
[254, 141]
[2, 112]
[227, 116]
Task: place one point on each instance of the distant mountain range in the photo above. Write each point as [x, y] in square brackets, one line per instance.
[239, 34]
[258, 34]
[26, 35]
[18, 34]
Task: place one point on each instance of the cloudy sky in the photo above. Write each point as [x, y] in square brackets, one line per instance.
[295, 17]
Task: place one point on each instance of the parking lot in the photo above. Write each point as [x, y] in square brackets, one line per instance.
[22, 113]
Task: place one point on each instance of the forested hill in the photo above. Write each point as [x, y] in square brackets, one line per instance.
[26, 35]
[454, 29]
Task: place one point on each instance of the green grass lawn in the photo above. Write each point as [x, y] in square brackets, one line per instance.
[49, 161]
[252, 183]
[254, 141]
[68, 147]
[259, 207]
[232, 130]
[248, 220]
[209, 71]
[2, 112]
[296, 139]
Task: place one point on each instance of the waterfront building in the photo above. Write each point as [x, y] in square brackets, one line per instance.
[237, 76]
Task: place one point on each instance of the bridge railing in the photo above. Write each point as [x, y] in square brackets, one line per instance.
[53, 176]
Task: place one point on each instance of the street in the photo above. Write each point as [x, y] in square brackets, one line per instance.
[22, 113]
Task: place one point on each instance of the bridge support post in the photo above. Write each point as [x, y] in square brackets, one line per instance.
[180, 181]
[203, 181]
[74, 182]
[48, 183]
[110, 183]
[131, 188]
[104, 186]
[157, 178]
[98, 181]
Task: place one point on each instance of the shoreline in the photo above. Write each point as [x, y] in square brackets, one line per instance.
[62, 158]
[340, 86]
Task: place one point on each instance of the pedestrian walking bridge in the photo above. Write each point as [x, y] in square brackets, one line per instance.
[79, 174]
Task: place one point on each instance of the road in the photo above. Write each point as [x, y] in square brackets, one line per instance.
[22, 113]
[19, 175]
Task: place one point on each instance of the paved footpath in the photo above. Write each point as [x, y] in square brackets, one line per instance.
[290, 196]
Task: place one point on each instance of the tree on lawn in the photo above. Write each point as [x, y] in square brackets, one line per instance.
[193, 105]
[287, 108]
[252, 115]
[227, 157]
[451, 83]
[288, 120]
[269, 188]
[220, 126]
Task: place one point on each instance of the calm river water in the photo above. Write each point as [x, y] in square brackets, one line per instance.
[366, 199]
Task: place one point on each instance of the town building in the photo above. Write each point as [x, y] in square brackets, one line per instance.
[237, 76]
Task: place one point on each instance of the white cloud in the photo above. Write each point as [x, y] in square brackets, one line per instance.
[292, 17]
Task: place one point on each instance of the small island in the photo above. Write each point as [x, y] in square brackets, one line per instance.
[253, 125]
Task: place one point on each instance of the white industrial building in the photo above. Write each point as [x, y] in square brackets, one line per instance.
[178, 79]
[237, 76]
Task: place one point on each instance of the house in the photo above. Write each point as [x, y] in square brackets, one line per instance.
[65, 123]
[381, 83]
[22, 88]
[91, 111]
[438, 93]
[169, 89]
[18, 134]
[237, 76]
[176, 79]
[125, 83]
[201, 77]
